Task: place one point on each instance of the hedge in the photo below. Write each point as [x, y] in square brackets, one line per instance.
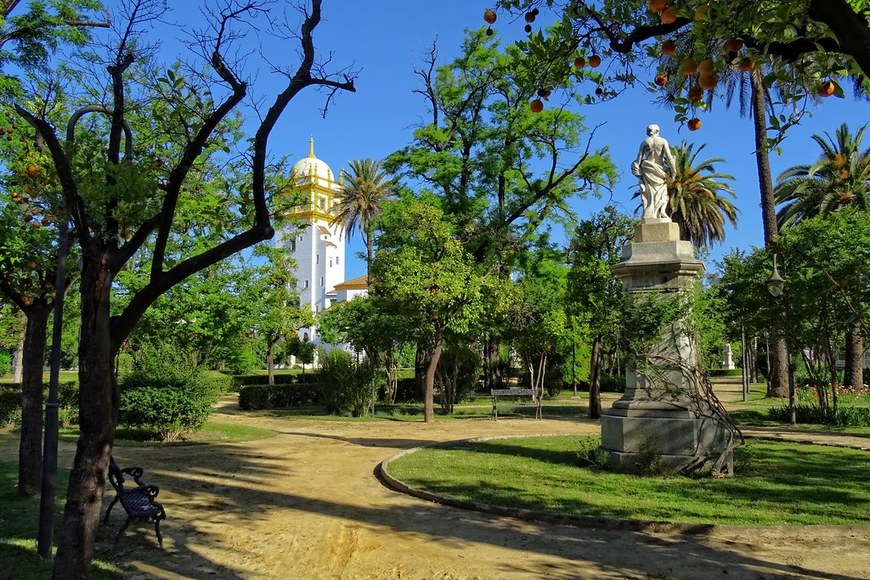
[67, 398]
[283, 396]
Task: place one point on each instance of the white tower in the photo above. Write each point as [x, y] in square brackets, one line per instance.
[318, 247]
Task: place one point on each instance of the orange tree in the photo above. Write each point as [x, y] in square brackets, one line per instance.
[121, 188]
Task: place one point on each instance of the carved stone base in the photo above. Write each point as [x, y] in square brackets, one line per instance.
[677, 436]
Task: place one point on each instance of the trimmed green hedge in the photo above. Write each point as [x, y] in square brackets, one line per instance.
[260, 397]
[725, 372]
[67, 398]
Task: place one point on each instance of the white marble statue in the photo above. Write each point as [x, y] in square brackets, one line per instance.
[654, 165]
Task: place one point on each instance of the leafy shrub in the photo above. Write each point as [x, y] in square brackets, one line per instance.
[10, 407]
[813, 414]
[67, 399]
[220, 382]
[347, 385]
[245, 380]
[648, 460]
[165, 397]
[611, 384]
[5, 363]
[590, 454]
[242, 361]
[284, 396]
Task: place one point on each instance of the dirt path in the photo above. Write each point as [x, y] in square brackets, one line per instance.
[306, 504]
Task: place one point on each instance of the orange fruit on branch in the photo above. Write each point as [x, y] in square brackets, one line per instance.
[694, 124]
[594, 60]
[826, 89]
[657, 5]
[746, 64]
[688, 66]
[536, 106]
[708, 81]
[579, 62]
[706, 66]
[733, 45]
[695, 94]
[669, 47]
[661, 79]
[489, 16]
[669, 15]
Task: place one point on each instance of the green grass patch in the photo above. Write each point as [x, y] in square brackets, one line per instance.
[778, 483]
[18, 529]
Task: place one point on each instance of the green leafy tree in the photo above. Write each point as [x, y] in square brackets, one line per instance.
[839, 179]
[367, 324]
[537, 319]
[697, 197]
[423, 273]
[277, 314]
[595, 296]
[500, 169]
[365, 189]
[32, 32]
[112, 186]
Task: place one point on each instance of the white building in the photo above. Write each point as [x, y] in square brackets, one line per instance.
[319, 246]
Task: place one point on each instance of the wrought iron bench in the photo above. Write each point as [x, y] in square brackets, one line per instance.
[138, 502]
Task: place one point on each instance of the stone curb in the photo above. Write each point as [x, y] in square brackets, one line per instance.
[660, 527]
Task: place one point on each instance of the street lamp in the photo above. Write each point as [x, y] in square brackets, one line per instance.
[776, 287]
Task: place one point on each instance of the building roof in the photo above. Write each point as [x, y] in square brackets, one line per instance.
[358, 283]
[311, 166]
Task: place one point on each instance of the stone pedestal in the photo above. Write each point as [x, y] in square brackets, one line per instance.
[660, 411]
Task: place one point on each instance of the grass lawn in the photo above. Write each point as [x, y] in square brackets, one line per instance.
[779, 483]
[18, 530]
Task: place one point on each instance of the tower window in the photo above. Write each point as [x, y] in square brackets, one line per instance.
[305, 284]
[321, 281]
[336, 260]
[317, 259]
[292, 245]
[330, 262]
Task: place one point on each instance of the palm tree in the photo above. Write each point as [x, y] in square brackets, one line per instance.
[363, 192]
[840, 177]
[696, 197]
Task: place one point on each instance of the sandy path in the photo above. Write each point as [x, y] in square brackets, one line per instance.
[306, 504]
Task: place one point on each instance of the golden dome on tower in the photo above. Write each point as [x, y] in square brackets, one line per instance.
[311, 167]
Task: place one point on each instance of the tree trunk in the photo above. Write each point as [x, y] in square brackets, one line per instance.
[18, 364]
[595, 362]
[98, 416]
[32, 401]
[270, 362]
[421, 358]
[753, 360]
[854, 372]
[429, 383]
[777, 385]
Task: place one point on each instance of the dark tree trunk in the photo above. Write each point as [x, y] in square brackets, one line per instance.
[777, 385]
[270, 363]
[595, 362]
[98, 416]
[854, 371]
[753, 360]
[421, 358]
[429, 383]
[32, 401]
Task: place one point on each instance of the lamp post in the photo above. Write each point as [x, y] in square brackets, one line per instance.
[776, 287]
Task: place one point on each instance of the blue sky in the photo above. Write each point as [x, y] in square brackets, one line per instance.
[384, 39]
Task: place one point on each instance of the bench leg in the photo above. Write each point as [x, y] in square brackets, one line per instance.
[121, 531]
[109, 509]
[157, 530]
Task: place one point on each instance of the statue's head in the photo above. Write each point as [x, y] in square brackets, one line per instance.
[652, 130]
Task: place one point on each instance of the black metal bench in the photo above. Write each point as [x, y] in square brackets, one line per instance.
[515, 392]
[138, 502]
